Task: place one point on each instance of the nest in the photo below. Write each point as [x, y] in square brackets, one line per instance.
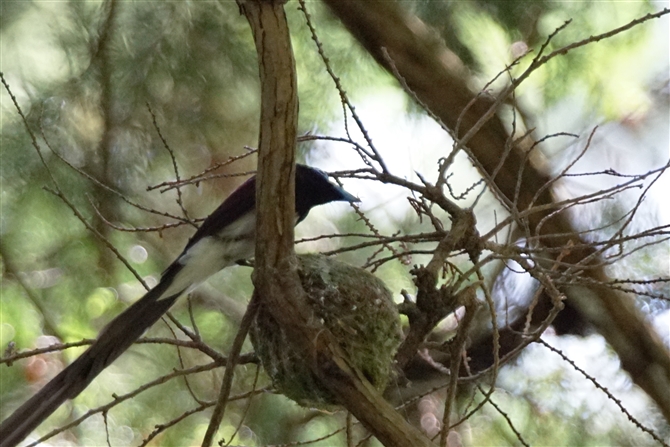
[355, 306]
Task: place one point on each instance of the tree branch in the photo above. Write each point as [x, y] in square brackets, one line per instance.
[435, 76]
[275, 274]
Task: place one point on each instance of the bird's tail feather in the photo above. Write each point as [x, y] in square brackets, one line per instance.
[119, 334]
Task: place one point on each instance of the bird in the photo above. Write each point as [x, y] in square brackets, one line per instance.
[225, 238]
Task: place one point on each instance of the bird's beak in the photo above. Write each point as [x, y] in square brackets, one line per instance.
[346, 197]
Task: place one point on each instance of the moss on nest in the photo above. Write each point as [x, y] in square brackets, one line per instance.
[355, 306]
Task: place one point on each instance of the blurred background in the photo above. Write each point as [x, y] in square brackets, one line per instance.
[92, 77]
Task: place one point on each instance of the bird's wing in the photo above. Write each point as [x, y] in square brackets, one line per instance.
[239, 203]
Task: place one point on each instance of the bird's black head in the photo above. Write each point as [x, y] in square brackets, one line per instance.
[313, 188]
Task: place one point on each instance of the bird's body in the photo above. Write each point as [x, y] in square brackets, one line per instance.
[224, 238]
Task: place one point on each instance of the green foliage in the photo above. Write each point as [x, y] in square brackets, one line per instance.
[489, 35]
[194, 64]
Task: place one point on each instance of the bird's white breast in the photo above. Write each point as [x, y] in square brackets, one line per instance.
[212, 253]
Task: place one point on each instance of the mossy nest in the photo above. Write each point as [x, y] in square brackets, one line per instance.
[355, 306]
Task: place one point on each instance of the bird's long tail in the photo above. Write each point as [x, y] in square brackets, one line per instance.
[119, 334]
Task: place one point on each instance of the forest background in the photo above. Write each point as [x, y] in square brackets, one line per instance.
[137, 98]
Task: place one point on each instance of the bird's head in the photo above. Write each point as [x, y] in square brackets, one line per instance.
[312, 188]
